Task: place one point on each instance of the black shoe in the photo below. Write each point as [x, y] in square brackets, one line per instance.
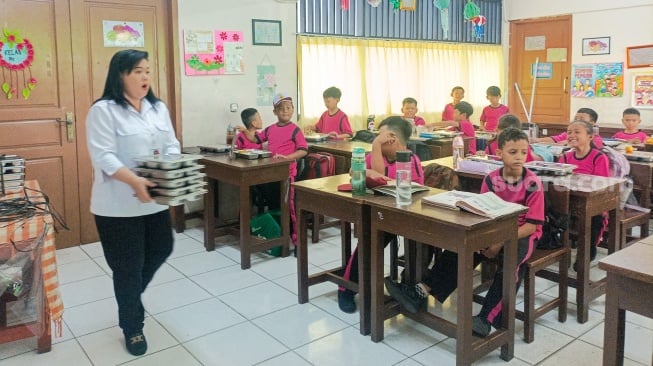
[136, 343]
[408, 296]
[480, 326]
[346, 301]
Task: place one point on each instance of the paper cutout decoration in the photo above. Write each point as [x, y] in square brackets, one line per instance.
[16, 56]
[472, 13]
[374, 3]
[443, 5]
[479, 22]
[395, 4]
[225, 58]
[344, 4]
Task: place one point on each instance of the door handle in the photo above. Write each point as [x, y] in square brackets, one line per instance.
[564, 84]
[70, 125]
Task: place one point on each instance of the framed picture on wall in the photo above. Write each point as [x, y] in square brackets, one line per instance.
[596, 46]
[642, 92]
[639, 56]
[266, 32]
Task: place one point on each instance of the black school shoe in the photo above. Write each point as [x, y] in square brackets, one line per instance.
[480, 326]
[409, 297]
[136, 343]
[346, 301]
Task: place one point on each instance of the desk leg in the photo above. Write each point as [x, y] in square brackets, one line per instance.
[245, 248]
[364, 265]
[285, 196]
[209, 215]
[583, 266]
[464, 337]
[302, 257]
[509, 294]
[377, 306]
[614, 327]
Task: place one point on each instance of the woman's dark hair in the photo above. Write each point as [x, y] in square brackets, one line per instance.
[122, 63]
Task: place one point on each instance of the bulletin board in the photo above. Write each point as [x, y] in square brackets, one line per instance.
[213, 52]
[639, 56]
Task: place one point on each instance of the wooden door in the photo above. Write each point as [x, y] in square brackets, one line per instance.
[35, 127]
[541, 39]
[91, 64]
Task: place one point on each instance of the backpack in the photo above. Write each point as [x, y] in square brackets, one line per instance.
[364, 136]
[619, 165]
[440, 176]
[420, 149]
[555, 224]
[319, 165]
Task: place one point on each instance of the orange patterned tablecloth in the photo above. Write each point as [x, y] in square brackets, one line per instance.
[33, 228]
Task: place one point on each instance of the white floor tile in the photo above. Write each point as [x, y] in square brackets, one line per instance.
[259, 300]
[578, 353]
[171, 356]
[228, 279]
[445, 354]
[63, 354]
[243, 344]
[201, 262]
[286, 359]
[408, 336]
[93, 250]
[92, 317]
[276, 267]
[69, 255]
[77, 271]
[638, 344]
[170, 295]
[85, 291]
[185, 246]
[165, 274]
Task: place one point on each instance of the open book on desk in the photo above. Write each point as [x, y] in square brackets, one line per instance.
[485, 204]
[391, 189]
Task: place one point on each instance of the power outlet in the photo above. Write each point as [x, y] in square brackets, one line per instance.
[545, 132]
[233, 107]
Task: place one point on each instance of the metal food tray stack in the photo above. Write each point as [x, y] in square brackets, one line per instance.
[549, 168]
[178, 177]
[12, 173]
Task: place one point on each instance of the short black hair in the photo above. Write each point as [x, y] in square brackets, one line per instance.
[457, 88]
[409, 100]
[399, 126]
[246, 116]
[631, 110]
[509, 120]
[493, 91]
[511, 134]
[122, 63]
[594, 117]
[332, 92]
[464, 107]
[587, 125]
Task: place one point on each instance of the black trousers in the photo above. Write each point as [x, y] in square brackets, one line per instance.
[135, 248]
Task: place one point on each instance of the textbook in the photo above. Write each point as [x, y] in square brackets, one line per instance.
[391, 189]
[485, 204]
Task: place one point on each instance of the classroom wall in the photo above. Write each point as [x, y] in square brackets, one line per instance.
[626, 22]
[205, 100]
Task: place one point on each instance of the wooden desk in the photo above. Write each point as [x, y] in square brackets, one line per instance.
[45, 283]
[321, 196]
[460, 232]
[341, 151]
[244, 174]
[630, 283]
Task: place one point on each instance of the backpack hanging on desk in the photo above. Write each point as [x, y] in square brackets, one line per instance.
[420, 149]
[364, 136]
[555, 224]
[319, 165]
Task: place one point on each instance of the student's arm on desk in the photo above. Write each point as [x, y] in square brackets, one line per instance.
[294, 156]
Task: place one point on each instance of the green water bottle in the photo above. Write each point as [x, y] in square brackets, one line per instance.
[358, 171]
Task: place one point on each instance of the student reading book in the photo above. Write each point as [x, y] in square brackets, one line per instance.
[486, 204]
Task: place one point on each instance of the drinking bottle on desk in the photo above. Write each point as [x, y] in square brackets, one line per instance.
[358, 171]
[458, 150]
[370, 122]
[404, 178]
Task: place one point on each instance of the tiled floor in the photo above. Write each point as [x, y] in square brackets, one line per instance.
[204, 310]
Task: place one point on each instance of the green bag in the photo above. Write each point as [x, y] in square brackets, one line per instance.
[267, 226]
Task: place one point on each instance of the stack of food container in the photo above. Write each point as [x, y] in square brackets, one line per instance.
[12, 173]
[178, 177]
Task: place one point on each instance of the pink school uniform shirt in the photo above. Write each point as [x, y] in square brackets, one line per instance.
[243, 143]
[594, 163]
[598, 141]
[447, 113]
[494, 145]
[419, 121]
[284, 140]
[467, 129]
[641, 135]
[416, 171]
[491, 115]
[338, 123]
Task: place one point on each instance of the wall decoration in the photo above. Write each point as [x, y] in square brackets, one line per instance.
[534, 43]
[596, 46]
[597, 80]
[642, 93]
[344, 4]
[582, 81]
[118, 33]
[409, 5]
[16, 57]
[556, 55]
[639, 56]
[443, 6]
[218, 52]
[266, 32]
[266, 84]
[544, 70]
[472, 13]
[374, 3]
[395, 5]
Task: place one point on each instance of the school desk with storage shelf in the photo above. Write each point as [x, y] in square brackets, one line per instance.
[26, 235]
[457, 231]
[244, 173]
[341, 151]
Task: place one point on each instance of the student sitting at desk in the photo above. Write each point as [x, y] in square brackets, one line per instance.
[394, 132]
[508, 121]
[630, 119]
[588, 160]
[461, 113]
[512, 183]
[333, 121]
[583, 114]
[252, 121]
[409, 111]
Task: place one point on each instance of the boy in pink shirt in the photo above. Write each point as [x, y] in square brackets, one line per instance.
[409, 111]
[491, 114]
[509, 121]
[252, 121]
[333, 121]
[631, 133]
[457, 93]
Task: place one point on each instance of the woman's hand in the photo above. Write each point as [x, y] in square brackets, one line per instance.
[140, 186]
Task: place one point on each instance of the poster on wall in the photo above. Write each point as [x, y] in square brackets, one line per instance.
[117, 33]
[642, 94]
[582, 81]
[217, 52]
[266, 84]
[605, 80]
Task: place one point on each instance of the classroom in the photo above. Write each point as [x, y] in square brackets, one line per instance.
[223, 296]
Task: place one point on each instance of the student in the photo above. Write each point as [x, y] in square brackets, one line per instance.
[588, 160]
[631, 133]
[409, 111]
[286, 141]
[252, 121]
[457, 93]
[394, 133]
[583, 114]
[491, 114]
[512, 183]
[461, 113]
[333, 121]
[508, 121]
[129, 121]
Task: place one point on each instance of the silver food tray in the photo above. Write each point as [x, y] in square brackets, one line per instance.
[168, 174]
[13, 176]
[11, 160]
[179, 182]
[639, 156]
[13, 169]
[12, 183]
[168, 162]
[550, 168]
[180, 200]
[174, 192]
[252, 154]
[316, 137]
